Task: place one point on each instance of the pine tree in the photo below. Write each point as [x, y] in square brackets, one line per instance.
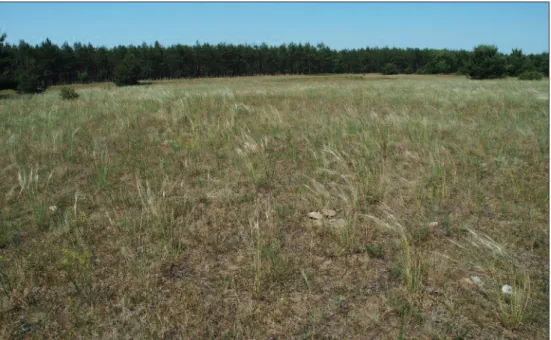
[30, 73]
[7, 82]
[29, 78]
[128, 71]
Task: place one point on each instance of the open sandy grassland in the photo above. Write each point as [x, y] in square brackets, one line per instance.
[180, 209]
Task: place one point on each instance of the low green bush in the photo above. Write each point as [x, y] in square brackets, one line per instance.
[68, 93]
[390, 68]
[530, 75]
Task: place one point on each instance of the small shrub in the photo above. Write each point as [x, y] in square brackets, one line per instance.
[6, 278]
[78, 267]
[68, 93]
[83, 77]
[530, 75]
[390, 69]
[374, 251]
[409, 70]
[396, 271]
[422, 235]
[8, 233]
[41, 217]
[462, 71]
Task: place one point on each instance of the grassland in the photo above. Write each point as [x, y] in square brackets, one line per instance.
[180, 209]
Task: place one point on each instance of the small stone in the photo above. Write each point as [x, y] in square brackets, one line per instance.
[329, 213]
[338, 223]
[52, 209]
[433, 224]
[476, 280]
[315, 215]
[507, 290]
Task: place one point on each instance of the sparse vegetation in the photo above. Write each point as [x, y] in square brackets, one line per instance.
[180, 209]
[78, 270]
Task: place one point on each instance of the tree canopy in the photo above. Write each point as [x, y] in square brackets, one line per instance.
[48, 64]
[486, 63]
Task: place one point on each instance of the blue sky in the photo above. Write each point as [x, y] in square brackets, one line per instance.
[338, 25]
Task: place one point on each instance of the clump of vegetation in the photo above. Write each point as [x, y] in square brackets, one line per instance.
[83, 77]
[530, 75]
[390, 68]
[462, 71]
[68, 93]
[6, 283]
[128, 71]
[29, 80]
[486, 63]
[409, 70]
[375, 251]
[78, 268]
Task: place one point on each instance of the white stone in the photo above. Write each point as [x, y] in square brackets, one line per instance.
[507, 290]
[329, 212]
[315, 215]
[476, 280]
[53, 209]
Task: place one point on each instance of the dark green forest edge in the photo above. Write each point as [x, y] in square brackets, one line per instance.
[30, 69]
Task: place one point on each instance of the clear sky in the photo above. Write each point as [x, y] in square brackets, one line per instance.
[338, 25]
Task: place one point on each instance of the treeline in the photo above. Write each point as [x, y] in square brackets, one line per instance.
[49, 64]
